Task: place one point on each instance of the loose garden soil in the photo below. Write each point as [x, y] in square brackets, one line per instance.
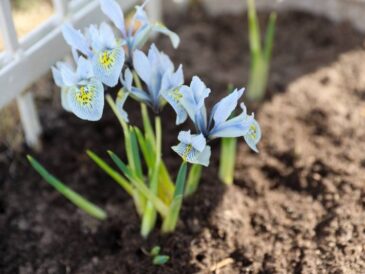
[296, 207]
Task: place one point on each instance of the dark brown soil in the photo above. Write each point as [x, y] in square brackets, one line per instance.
[297, 207]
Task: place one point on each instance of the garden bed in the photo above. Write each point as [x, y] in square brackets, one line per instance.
[297, 207]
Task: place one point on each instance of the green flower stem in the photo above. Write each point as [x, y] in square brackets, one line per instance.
[193, 179]
[71, 195]
[260, 58]
[170, 222]
[227, 160]
[150, 215]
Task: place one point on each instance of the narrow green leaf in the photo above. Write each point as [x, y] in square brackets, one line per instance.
[140, 185]
[269, 37]
[111, 172]
[193, 179]
[228, 160]
[136, 158]
[170, 222]
[166, 187]
[150, 136]
[180, 180]
[147, 155]
[150, 215]
[254, 29]
[126, 132]
[71, 195]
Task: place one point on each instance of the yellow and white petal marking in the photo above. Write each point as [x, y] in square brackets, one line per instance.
[84, 95]
[186, 152]
[253, 136]
[107, 65]
[176, 95]
[87, 101]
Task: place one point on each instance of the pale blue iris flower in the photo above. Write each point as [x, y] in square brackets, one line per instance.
[81, 92]
[135, 37]
[101, 47]
[193, 148]
[161, 81]
[220, 123]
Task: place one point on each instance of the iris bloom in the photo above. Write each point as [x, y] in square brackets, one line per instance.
[81, 92]
[193, 148]
[102, 48]
[161, 81]
[135, 35]
[220, 124]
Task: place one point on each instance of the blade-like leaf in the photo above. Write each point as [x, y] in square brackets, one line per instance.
[111, 172]
[71, 195]
[254, 28]
[136, 158]
[269, 37]
[172, 217]
[193, 180]
[139, 184]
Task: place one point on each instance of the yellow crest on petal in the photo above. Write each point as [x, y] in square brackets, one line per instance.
[107, 58]
[84, 95]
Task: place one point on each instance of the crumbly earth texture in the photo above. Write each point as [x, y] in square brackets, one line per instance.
[296, 207]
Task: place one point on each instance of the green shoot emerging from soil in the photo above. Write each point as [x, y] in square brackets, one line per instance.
[260, 54]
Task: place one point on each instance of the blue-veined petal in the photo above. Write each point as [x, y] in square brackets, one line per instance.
[127, 79]
[174, 38]
[200, 120]
[200, 91]
[76, 39]
[185, 137]
[107, 36]
[170, 90]
[193, 97]
[92, 35]
[87, 101]
[120, 101]
[192, 148]
[173, 96]
[141, 96]
[112, 9]
[204, 156]
[138, 94]
[84, 69]
[235, 127]
[252, 138]
[64, 99]
[198, 142]
[224, 108]
[142, 66]
[190, 154]
[57, 77]
[140, 37]
[107, 65]
[68, 76]
[140, 13]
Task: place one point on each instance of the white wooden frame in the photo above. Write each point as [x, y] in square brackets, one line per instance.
[26, 60]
